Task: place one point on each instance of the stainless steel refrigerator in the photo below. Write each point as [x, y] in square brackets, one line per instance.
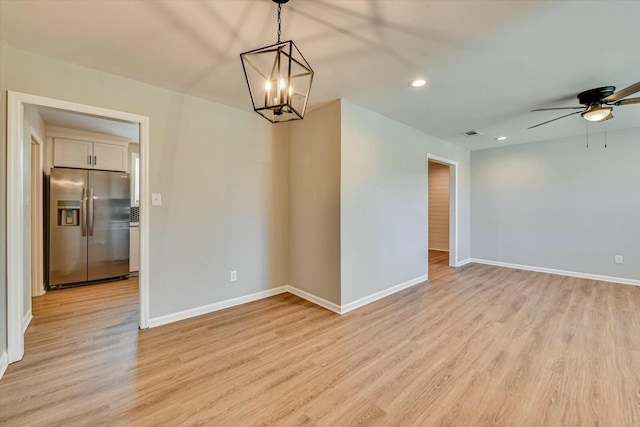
[88, 226]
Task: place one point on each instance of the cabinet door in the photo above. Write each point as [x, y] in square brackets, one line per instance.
[109, 157]
[72, 153]
[134, 249]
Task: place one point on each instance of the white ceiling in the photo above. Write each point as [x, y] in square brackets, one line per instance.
[85, 122]
[487, 62]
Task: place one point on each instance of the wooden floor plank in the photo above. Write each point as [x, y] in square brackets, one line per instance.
[476, 345]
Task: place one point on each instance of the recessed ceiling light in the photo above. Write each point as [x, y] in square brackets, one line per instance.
[418, 83]
[501, 138]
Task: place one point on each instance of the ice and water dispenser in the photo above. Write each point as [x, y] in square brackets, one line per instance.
[69, 213]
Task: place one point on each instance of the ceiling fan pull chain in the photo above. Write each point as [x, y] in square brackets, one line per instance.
[586, 126]
[279, 21]
[605, 134]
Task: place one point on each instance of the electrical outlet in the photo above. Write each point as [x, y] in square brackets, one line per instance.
[619, 259]
[233, 275]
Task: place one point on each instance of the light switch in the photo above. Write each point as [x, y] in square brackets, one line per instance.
[156, 199]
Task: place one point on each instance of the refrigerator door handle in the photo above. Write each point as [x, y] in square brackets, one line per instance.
[83, 212]
[90, 213]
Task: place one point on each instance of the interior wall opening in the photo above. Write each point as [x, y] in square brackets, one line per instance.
[46, 135]
[58, 150]
[438, 216]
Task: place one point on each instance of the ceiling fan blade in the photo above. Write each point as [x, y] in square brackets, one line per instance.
[628, 101]
[623, 93]
[553, 120]
[559, 108]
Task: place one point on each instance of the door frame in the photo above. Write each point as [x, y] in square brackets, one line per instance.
[16, 206]
[37, 224]
[453, 207]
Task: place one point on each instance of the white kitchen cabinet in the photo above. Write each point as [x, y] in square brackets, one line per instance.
[75, 153]
[134, 249]
[109, 157]
[72, 153]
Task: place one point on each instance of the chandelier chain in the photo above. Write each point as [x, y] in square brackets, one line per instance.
[279, 21]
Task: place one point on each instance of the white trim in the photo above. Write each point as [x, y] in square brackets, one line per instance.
[145, 196]
[210, 308]
[105, 138]
[4, 364]
[38, 288]
[233, 302]
[15, 228]
[15, 208]
[463, 262]
[379, 295]
[453, 214]
[621, 280]
[26, 321]
[314, 299]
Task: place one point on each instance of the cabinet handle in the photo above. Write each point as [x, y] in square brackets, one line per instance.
[95, 160]
[89, 160]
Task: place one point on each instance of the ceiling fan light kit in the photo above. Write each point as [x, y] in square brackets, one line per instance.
[279, 79]
[597, 103]
[597, 113]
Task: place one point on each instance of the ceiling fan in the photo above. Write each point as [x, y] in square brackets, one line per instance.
[597, 103]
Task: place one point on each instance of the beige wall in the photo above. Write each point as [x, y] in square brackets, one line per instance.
[438, 206]
[314, 203]
[559, 205]
[220, 172]
[384, 201]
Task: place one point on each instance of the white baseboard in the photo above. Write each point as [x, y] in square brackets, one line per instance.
[621, 280]
[314, 299]
[26, 321]
[4, 363]
[463, 262]
[210, 308]
[39, 292]
[381, 294]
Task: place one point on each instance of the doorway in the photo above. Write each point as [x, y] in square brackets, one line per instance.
[442, 214]
[20, 185]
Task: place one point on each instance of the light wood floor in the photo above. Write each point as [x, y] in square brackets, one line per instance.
[477, 345]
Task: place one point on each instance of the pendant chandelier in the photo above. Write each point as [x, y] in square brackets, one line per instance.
[279, 79]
